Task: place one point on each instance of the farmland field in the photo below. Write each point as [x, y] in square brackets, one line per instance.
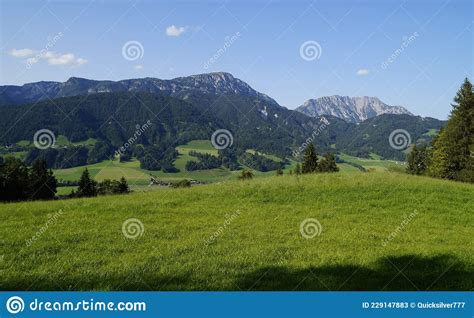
[375, 231]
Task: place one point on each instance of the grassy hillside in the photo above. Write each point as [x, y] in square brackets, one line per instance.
[380, 231]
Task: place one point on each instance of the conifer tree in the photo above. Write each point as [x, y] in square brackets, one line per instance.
[453, 148]
[43, 183]
[328, 164]
[310, 160]
[123, 186]
[87, 186]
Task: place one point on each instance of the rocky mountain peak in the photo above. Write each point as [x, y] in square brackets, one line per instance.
[351, 109]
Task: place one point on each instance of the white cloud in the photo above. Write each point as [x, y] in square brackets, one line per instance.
[138, 67]
[363, 72]
[31, 60]
[65, 59]
[22, 53]
[31, 57]
[175, 31]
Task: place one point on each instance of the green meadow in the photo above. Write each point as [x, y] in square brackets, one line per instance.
[341, 231]
[140, 179]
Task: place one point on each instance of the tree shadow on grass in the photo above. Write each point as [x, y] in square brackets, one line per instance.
[409, 272]
[135, 281]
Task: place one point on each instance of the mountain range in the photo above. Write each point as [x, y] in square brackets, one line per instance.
[193, 107]
[351, 109]
[213, 83]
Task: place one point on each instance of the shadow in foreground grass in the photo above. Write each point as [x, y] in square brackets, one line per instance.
[409, 272]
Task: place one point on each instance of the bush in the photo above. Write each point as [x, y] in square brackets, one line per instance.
[185, 183]
[246, 175]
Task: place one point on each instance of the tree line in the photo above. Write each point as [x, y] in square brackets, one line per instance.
[22, 182]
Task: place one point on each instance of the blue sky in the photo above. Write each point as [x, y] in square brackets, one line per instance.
[410, 53]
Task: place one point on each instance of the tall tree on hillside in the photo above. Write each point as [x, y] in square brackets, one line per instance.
[418, 160]
[43, 183]
[453, 148]
[328, 163]
[87, 186]
[310, 159]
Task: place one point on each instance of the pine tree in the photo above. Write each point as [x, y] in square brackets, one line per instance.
[43, 184]
[328, 163]
[87, 186]
[123, 186]
[453, 148]
[310, 160]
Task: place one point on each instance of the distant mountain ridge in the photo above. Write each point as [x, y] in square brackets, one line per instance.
[351, 109]
[211, 83]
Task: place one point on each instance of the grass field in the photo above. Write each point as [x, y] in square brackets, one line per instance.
[374, 163]
[378, 231]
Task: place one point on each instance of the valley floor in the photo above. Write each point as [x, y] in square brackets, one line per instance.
[373, 231]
